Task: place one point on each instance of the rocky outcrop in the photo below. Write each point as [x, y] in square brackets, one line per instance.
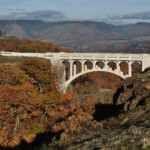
[134, 92]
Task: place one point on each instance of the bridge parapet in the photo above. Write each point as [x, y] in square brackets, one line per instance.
[108, 56]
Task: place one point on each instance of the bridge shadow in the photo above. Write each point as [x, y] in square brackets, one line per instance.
[104, 110]
[147, 70]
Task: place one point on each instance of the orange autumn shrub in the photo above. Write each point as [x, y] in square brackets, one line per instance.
[13, 44]
[89, 105]
[79, 123]
[41, 73]
[10, 75]
[66, 98]
[18, 108]
[76, 124]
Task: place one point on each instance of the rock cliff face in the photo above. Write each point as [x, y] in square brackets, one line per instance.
[134, 92]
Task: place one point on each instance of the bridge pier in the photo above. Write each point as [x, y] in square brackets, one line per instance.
[82, 65]
[85, 67]
[145, 61]
[74, 69]
[130, 68]
[106, 65]
[118, 66]
[71, 62]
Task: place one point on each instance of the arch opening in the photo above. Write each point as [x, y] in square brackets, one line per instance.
[88, 65]
[124, 67]
[100, 64]
[69, 82]
[112, 65]
[136, 67]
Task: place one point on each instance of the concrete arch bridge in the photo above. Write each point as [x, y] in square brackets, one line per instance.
[73, 65]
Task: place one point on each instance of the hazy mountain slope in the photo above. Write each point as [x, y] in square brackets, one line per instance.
[86, 36]
[29, 26]
[75, 33]
[138, 29]
[16, 30]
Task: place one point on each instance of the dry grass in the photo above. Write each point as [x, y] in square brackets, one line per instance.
[11, 59]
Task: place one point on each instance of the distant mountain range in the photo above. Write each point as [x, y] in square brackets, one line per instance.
[86, 36]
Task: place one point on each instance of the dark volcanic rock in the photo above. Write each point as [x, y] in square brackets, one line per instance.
[134, 92]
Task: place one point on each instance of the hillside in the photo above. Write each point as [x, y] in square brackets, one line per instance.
[129, 128]
[32, 108]
[13, 44]
[86, 36]
[1, 33]
[35, 116]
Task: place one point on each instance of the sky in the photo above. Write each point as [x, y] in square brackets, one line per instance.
[109, 11]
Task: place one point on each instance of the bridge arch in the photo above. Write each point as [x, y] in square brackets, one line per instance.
[68, 82]
[89, 65]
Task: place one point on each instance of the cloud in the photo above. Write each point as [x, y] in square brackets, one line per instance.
[14, 9]
[58, 16]
[134, 15]
[45, 15]
[128, 18]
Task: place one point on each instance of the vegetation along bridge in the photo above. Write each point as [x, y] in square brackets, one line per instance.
[73, 65]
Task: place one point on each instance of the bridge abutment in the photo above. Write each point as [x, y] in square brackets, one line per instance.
[145, 61]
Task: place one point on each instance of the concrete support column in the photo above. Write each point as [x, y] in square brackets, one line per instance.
[63, 68]
[106, 65]
[64, 75]
[85, 67]
[118, 66]
[94, 65]
[74, 69]
[71, 62]
[130, 68]
[82, 65]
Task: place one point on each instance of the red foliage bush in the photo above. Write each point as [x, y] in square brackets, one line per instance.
[13, 44]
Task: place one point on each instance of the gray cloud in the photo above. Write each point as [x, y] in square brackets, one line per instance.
[134, 15]
[14, 9]
[128, 18]
[20, 9]
[46, 15]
